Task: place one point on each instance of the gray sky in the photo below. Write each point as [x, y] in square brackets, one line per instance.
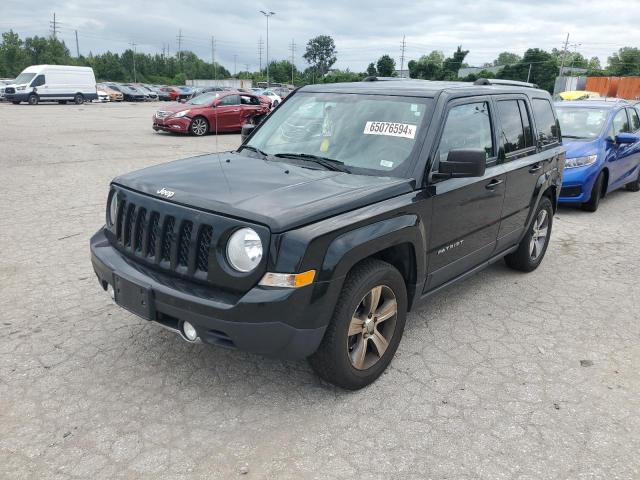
[363, 30]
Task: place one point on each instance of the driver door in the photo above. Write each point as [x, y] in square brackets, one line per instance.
[227, 113]
[466, 211]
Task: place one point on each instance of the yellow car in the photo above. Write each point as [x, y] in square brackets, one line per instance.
[578, 95]
[114, 95]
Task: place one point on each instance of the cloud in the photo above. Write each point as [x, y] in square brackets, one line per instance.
[363, 31]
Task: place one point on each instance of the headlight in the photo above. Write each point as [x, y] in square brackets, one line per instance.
[244, 250]
[113, 209]
[580, 161]
[181, 114]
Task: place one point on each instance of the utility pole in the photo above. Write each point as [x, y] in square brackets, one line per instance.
[133, 46]
[235, 61]
[404, 45]
[529, 74]
[213, 57]
[564, 54]
[267, 14]
[260, 43]
[179, 38]
[54, 26]
[77, 45]
[292, 47]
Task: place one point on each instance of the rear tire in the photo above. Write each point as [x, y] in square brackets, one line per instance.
[33, 99]
[596, 194]
[78, 99]
[635, 185]
[533, 246]
[199, 126]
[365, 330]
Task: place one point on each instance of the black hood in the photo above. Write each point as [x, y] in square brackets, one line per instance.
[277, 194]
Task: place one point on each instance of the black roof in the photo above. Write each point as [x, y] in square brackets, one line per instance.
[417, 88]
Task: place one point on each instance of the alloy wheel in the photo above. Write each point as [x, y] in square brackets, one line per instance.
[372, 326]
[539, 234]
[199, 127]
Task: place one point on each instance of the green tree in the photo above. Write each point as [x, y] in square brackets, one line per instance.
[12, 55]
[280, 71]
[371, 70]
[544, 69]
[386, 66]
[424, 68]
[451, 65]
[436, 57]
[625, 61]
[321, 53]
[507, 58]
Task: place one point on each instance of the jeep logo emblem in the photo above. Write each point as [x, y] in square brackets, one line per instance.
[165, 193]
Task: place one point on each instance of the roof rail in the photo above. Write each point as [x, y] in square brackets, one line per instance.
[381, 79]
[495, 81]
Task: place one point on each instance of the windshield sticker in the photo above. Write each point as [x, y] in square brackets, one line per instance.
[390, 129]
[386, 164]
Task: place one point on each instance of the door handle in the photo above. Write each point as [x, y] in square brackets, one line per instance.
[493, 184]
[235, 110]
[535, 168]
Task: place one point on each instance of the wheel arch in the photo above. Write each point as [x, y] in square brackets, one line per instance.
[605, 182]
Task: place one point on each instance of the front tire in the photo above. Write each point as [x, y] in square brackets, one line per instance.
[199, 126]
[533, 246]
[78, 99]
[365, 330]
[33, 99]
[596, 194]
[635, 185]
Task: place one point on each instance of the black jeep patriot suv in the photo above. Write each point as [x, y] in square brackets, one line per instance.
[344, 208]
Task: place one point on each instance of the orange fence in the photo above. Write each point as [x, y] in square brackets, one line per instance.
[629, 88]
[605, 86]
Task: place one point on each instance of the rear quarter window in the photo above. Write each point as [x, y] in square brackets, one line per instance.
[546, 124]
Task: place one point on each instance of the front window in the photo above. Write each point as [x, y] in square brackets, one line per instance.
[369, 134]
[467, 126]
[203, 99]
[24, 78]
[583, 123]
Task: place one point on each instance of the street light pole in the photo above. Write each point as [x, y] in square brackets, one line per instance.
[267, 14]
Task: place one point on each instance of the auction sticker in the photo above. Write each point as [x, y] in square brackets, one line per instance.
[390, 129]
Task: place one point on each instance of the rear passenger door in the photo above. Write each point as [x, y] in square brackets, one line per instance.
[523, 163]
[633, 158]
[466, 211]
[618, 167]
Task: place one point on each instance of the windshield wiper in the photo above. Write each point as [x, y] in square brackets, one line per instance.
[254, 149]
[328, 163]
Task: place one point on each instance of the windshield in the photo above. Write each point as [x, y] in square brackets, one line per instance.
[203, 99]
[371, 134]
[582, 122]
[24, 78]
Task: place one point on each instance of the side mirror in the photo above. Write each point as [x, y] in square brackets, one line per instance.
[626, 138]
[247, 128]
[463, 163]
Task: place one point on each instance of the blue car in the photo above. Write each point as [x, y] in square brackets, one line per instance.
[602, 138]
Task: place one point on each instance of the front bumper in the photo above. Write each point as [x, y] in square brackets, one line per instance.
[265, 321]
[577, 184]
[172, 124]
[17, 97]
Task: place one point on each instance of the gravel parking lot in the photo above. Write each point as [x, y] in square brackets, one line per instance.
[503, 376]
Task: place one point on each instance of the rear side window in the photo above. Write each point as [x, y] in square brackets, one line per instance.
[467, 127]
[545, 121]
[38, 81]
[516, 127]
[635, 121]
[230, 100]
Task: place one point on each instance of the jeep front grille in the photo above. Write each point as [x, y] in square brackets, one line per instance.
[166, 241]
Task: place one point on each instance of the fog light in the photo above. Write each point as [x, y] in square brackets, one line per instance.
[189, 331]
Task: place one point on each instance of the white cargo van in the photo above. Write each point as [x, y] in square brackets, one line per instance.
[59, 83]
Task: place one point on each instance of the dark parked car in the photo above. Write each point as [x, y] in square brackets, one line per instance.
[129, 94]
[318, 245]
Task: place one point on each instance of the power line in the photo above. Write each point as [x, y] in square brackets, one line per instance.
[54, 26]
[292, 47]
[404, 45]
[179, 38]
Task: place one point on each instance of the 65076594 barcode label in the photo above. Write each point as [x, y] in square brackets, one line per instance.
[391, 129]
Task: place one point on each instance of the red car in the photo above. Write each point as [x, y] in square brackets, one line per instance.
[174, 93]
[211, 112]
